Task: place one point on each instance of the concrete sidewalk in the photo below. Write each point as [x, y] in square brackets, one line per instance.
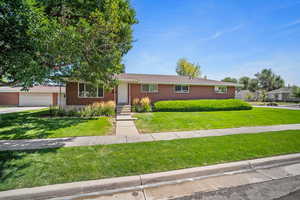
[280, 107]
[104, 140]
[166, 185]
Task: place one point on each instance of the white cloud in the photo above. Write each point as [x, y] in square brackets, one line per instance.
[218, 34]
[293, 23]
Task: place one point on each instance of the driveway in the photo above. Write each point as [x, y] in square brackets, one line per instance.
[17, 109]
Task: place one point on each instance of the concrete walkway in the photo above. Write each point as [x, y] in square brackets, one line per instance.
[134, 138]
[125, 126]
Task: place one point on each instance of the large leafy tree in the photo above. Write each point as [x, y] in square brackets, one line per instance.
[19, 58]
[245, 81]
[253, 85]
[229, 79]
[79, 39]
[186, 68]
[268, 80]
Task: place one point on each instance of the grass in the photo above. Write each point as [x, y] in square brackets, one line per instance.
[34, 124]
[201, 105]
[183, 121]
[42, 167]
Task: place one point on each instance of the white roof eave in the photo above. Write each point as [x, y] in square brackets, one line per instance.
[176, 83]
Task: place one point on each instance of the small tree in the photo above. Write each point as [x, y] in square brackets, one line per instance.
[185, 68]
[296, 91]
[249, 96]
[263, 96]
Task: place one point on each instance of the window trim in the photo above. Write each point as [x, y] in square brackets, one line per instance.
[220, 92]
[78, 92]
[181, 92]
[156, 91]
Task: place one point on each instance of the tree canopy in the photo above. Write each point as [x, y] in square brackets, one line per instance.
[245, 81]
[229, 79]
[268, 80]
[253, 85]
[185, 68]
[265, 80]
[83, 40]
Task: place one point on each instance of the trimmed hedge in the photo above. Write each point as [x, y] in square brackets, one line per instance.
[201, 105]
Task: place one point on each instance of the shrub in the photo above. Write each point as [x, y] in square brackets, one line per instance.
[109, 108]
[135, 104]
[272, 104]
[143, 105]
[99, 109]
[72, 113]
[201, 105]
[87, 111]
[56, 111]
[249, 96]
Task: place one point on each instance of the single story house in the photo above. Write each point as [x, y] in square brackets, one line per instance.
[36, 96]
[282, 94]
[156, 87]
[246, 95]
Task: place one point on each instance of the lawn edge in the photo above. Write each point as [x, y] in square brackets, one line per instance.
[127, 182]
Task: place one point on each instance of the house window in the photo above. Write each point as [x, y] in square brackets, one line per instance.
[181, 88]
[90, 91]
[150, 88]
[221, 89]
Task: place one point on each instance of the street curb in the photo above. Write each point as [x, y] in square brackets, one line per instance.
[138, 182]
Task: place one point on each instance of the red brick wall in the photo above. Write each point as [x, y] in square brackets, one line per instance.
[166, 92]
[9, 98]
[73, 99]
[54, 99]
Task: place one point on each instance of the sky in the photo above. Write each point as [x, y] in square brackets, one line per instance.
[225, 37]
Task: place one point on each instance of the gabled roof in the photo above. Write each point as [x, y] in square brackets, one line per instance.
[282, 90]
[170, 79]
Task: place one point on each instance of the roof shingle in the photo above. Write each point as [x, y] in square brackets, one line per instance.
[170, 79]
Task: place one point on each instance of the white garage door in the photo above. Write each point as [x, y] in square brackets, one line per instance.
[35, 99]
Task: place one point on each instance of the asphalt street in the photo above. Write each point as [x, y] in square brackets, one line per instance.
[281, 189]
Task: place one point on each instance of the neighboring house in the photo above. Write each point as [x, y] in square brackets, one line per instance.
[246, 95]
[36, 96]
[282, 94]
[156, 87]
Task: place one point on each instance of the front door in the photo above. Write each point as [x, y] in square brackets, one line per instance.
[123, 93]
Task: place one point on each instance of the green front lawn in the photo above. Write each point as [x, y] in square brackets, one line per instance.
[34, 124]
[43, 167]
[182, 121]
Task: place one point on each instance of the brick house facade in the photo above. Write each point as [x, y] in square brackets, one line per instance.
[159, 87]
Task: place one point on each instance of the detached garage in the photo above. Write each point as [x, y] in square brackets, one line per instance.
[36, 96]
